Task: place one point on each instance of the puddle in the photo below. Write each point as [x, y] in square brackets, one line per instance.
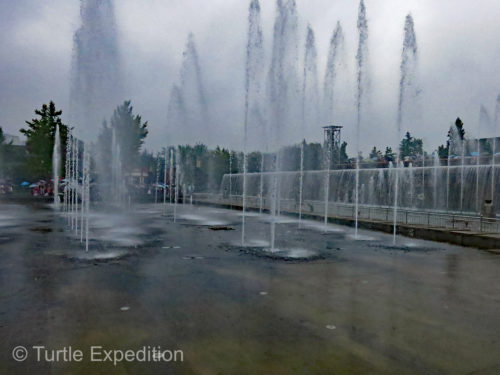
[98, 255]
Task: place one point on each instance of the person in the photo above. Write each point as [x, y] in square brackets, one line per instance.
[489, 209]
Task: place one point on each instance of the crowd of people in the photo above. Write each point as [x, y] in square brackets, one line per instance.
[42, 189]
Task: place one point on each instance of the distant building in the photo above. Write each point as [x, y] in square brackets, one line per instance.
[137, 177]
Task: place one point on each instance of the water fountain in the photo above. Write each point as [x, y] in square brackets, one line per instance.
[334, 61]
[96, 86]
[177, 181]
[158, 170]
[165, 164]
[301, 181]
[280, 109]
[56, 166]
[310, 87]
[483, 123]
[187, 106]
[327, 162]
[86, 189]
[406, 83]
[361, 60]
[171, 175]
[282, 95]
[435, 171]
[494, 148]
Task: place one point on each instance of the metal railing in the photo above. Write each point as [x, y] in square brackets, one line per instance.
[429, 219]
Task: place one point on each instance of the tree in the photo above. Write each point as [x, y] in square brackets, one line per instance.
[40, 140]
[410, 147]
[343, 154]
[443, 152]
[456, 134]
[459, 128]
[129, 132]
[375, 154]
[389, 155]
[377, 157]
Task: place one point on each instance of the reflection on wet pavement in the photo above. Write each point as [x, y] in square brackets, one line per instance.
[331, 305]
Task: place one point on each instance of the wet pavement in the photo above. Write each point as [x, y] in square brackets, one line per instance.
[326, 303]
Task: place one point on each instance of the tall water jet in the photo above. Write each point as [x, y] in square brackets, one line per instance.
[77, 181]
[423, 178]
[165, 162]
[494, 148]
[74, 181]
[283, 77]
[361, 60]
[171, 176]
[282, 93]
[177, 181]
[371, 191]
[96, 86]
[68, 174]
[83, 192]
[335, 54]
[412, 183]
[435, 170]
[158, 169]
[455, 148]
[407, 72]
[301, 180]
[255, 133]
[462, 176]
[187, 107]
[87, 195]
[261, 183]
[176, 115]
[230, 179]
[56, 166]
[484, 123]
[253, 77]
[310, 88]
[327, 161]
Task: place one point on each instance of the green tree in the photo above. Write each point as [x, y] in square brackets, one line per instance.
[410, 147]
[443, 152]
[130, 133]
[40, 140]
[375, 154]
[343, 155]
[389, 155]
[456, 131]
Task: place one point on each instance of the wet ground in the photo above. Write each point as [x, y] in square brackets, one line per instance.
[326, 303]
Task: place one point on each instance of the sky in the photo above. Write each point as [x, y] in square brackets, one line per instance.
[459, 57]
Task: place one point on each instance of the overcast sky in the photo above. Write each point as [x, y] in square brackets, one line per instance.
[458, 41]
